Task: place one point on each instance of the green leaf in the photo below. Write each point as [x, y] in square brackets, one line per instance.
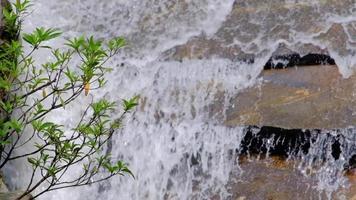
[9, 16]
[38, 81]
[76, 43]
[39, 109]
[102, 82]
[85, 167]
[45, 47]
[71, 76]
[120, 42]
[15, 125]
[5, 84]
[6, 142]
[109, 167]
[62, 102]
[37, 125]
[117, 43]
[3, 133]
[6, 106]
[46, 34]
[30, 38]
[44, 157]
[102, 106]
[33, 161]
[38, 146]
[40, 35]
[127, 170]
[22, 6]
[52, 171]
[131, 103]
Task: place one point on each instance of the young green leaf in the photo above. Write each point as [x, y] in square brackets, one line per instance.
[22, 6]
[131, 103]
[40, 35]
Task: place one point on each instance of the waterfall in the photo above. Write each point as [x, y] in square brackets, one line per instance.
[174, 142]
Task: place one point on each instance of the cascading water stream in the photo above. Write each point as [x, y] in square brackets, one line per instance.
[175, 142]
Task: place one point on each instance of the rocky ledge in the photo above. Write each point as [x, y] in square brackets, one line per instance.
[313, 97]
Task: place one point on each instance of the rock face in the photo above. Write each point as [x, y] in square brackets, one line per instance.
[275, 179]
[13, 196]
[253, 27]
[3, 187]
[305, 97]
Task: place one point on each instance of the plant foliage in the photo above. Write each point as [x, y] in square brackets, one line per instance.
[30, 91]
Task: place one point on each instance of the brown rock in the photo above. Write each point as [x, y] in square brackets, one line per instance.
[309, 97]
[14, 196]
[202, 47]
[3, 187]
[254, 19]
[335, 37]
[263, 180]
[304, 97]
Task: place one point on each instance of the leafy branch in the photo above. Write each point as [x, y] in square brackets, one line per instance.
[30, 91]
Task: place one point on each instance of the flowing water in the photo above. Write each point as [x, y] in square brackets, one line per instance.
[175, 142]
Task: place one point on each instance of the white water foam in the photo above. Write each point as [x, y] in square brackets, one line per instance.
[176, 123]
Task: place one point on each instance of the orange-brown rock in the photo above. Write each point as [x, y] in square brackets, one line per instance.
[303, 97]
[306, 97]
[262, 179]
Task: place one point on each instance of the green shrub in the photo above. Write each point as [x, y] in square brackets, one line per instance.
[33, 91]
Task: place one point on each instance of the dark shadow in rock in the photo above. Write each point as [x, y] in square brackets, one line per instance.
[288, 143]
[275, 141]
[292, 60]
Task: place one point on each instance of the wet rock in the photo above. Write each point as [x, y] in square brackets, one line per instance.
[276, 178]
[14, 196]
[335, 37]
[3, 187]
[201, 48]
[315, 97]
[252, 26]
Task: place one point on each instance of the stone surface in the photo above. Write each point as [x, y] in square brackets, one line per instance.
[275, 178]
[309, 97]
[3, 187]
[13, 196]
[304, 97]
[253, 25]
